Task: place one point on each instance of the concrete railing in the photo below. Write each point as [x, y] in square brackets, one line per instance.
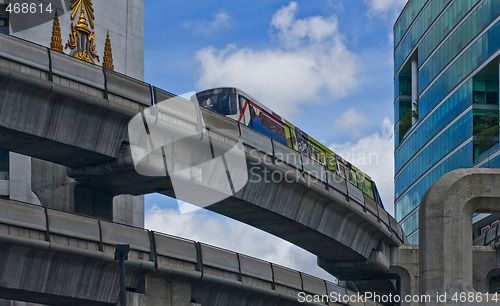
[38, 62]
[28, 224]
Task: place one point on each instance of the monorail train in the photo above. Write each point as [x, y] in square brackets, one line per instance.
[236, 104]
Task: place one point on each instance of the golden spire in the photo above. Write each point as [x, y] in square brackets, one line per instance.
[56, 43]
[75, 5]
[82, 23]
[108, 56]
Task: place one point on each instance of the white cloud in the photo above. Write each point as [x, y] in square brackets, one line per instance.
[351, 121]
[221, 20]
[374, 155]
[384, 7]
[229, 234]
[293, 32]
[311, 58]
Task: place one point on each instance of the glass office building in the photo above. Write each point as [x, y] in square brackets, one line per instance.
[446, 79]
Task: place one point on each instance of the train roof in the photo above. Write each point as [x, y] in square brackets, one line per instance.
[241, 92]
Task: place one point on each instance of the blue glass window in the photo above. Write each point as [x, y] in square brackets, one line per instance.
[461, 159]
[446, 142]
[475, 23]
[430, 126]
[406, 19]
[481, 50]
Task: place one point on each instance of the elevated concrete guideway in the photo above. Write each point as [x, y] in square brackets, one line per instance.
[56, 258]
[75, 114]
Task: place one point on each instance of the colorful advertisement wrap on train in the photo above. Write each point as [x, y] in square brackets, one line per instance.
[260, 119]
[355, 176]
[311, 148]
[285, 133]
[362, 181]
[262, 122]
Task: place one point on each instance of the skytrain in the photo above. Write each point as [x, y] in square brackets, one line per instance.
[237, 105]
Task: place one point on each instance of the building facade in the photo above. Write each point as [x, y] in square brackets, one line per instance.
[106, 33]
[446, 103]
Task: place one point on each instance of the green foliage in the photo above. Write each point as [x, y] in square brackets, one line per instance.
[406, 122]
[486, 133]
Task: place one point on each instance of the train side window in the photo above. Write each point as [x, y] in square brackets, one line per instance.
[229, 105]
[223, 103]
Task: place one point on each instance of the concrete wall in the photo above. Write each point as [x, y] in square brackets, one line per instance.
[20, 179]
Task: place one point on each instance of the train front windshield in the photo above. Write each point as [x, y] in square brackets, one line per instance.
[222, 101]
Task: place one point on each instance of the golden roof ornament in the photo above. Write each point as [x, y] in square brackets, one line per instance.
[86, 6]
[81, 39]
[108, 56]
[56, 43]
[82, 23]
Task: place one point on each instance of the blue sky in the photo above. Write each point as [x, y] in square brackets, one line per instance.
[326, 65]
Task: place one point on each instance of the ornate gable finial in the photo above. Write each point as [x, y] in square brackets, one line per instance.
[82, 23]
[108, 56]
[56, 43]
[86, 6]
[81, 39]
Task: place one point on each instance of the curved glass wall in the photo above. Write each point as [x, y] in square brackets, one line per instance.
[426, 18]
[461, 159]
[450, 109]
[446, 142]
[481, 50]
[475, 23]
[456, 44]
[443, 26]
[411, 11]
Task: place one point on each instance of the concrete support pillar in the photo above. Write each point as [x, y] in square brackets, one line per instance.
[58, 191]
[128, 209]
[50, 183]
[161, 290]
[446, 261]
[404, 263]
[20, 179]
[158, 291]
[181, 293]
[414, 87]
